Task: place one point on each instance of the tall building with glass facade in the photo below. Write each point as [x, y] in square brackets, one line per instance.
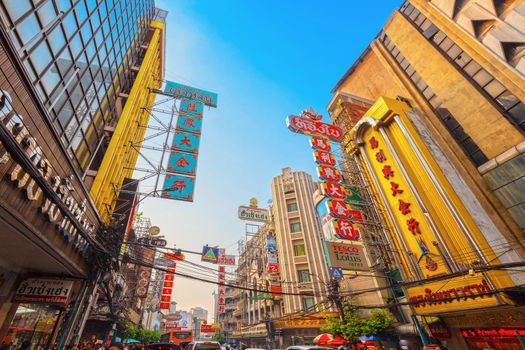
[83, 58]
[75, 76]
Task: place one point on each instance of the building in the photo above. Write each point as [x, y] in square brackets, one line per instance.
[247, 311]
[74, 81]
[199, 313]
[459, 68]
[303, 268]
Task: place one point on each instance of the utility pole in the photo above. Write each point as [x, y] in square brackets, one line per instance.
[335, 298]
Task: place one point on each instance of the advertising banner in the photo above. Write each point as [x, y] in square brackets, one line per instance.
[43, 291]
[320, 144]
[322, 157]
[182, 163]
[253, 214]
[189, 123]
[191, 93]
[186, 142]
[328, 173]
[310, 127]
[346, 256]
[271, 244]
[178, 187]
[226, 260]
[191, 107]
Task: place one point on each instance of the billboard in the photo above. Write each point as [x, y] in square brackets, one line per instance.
[190, 93]
[182, 163]
[253, 214]
[346, 256]
[178, 187]
[306, 126]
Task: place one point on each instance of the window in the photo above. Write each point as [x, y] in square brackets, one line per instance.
[304, 276]
[298, 250]
[308, 303]
[295, 227]
[291, 207]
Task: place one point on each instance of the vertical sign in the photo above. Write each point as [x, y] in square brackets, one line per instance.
[179, 183]
[340, 220]
[167, 287]
[221, 298]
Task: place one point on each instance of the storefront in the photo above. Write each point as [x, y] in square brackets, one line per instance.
[47, 221]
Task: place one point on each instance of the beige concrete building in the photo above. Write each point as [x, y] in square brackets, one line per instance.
[460, 67]
[298, 233]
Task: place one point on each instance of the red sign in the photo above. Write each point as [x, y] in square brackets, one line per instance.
[511, 332]
[310, 127]
[339, 209]
[320, 144]
[345, 229]
[275, 289]
[273, 267]
[164, 306]
[207, 328]
[328, 173]
[322, 157]
[333, 190]
[439, 330]
[311, 115]
[174, 256]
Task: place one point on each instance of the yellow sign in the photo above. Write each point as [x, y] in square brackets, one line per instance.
[458, 293]
[253, 202]
[408, 215]
[305, 322]
[216, 326]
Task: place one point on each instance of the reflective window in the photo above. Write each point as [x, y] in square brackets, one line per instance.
[96, 41]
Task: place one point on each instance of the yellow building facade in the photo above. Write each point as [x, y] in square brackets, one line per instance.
[448, 118]
[120, 159]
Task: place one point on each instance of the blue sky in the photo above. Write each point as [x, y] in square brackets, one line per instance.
[266, 60]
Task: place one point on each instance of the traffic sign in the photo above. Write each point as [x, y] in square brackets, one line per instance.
[337, 273]
[210, 254]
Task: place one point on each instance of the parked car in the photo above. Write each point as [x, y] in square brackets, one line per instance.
[203, 345]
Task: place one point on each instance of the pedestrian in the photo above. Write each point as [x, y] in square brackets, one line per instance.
[116, 346]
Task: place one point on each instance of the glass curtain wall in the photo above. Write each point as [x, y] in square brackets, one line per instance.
[78, 55]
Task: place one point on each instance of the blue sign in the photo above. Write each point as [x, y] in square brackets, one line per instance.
[183, 163]
[271, 245]
[337, 273]
[191, 93]
[191, 123]
[210, 254]
[191, 107]
[186, 142]
[178, 187]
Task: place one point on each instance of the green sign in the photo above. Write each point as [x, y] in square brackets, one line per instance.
[264, 296]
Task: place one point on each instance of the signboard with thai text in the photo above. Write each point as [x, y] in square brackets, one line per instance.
[253, 214]
[460, 293]
[191, 93]
[306, 126]
[226, 260]
[43, 291]
[346, 256]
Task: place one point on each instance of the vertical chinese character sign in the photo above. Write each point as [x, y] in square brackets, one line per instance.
[339, 215]
[167, 287]
[221, 297]
[179, 183]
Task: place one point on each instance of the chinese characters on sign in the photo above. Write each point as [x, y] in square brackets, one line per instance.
[340, 220]
[221, 295]
[167, 287]
[179, 183]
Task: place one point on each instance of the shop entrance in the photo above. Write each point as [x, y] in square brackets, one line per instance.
[32, 327]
